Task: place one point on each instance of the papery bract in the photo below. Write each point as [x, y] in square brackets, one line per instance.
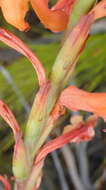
[20, 163]
[38, 117]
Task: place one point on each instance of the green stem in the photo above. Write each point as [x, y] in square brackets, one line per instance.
[38, 118]
[80, 8]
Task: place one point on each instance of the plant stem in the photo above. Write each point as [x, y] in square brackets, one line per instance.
[80, 8]
[39, 123]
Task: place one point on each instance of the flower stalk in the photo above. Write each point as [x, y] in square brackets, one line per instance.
[51, 100]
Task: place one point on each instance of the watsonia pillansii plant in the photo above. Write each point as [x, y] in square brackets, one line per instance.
[53, 97]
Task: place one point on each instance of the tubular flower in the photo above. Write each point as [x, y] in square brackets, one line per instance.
[77, 122]
[77, 99]
[63, 4]
[54, 19]
[99, 10]
[14, 12]
[78, 132]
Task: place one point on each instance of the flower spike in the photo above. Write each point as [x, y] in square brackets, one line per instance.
[14, 42]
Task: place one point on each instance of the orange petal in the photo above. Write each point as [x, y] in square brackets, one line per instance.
[14, 12]
[53, 20]
[63, 4]
[77, 99]
[99, 10]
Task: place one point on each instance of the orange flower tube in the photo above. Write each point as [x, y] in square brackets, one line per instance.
[55, 20]
[77, 99]
[99, 10]
[14, 12]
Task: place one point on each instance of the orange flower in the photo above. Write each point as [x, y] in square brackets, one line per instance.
[63, 4]
[54, 19]
[99, 10]
[14, 12]
[81, 131]
[77, 99]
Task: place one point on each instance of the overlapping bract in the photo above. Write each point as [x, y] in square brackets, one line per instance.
[55, 18]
